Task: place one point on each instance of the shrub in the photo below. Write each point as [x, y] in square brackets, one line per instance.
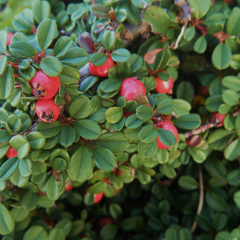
[119, 120]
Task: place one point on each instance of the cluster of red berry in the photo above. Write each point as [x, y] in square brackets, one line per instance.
[45, 88]
[132, 86]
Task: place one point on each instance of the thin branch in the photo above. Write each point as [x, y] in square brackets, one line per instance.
[32, 128]
[180, 35]
[210, 125]
[201, 198]
[201, 129]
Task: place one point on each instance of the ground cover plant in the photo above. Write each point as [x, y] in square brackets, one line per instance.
[119, 120]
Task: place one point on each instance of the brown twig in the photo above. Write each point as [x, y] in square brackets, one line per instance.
[32, 128]
[201, 129]
[210, 125]
[201, 198]
[236, 112]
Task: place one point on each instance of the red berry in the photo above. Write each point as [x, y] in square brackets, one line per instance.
[47, 110]
[43, 86]
[11, 152]
[9, 37]
[104, 221]
[93, 2]
[131, 87]
[101, 71]
[229, 1]
[164, 86]
[50, 223]
[218, 117]
[98, 197]
[127, 114]
[106, 180]
[68, 187]
[170, 127]
[41, 193]
[203, 90]
[119, 172]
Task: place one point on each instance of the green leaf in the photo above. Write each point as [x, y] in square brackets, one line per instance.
[22, 49]
[144, 112]
[114, 114]
[52, 188]
[189, 33]
[3, 41]
[29, 200]
[120, 55]
[200, 7]
[51, 66]
[21, 144]
[80, 12]
[35, 233]
[219, 138]
[166, 106]
[80, 166]
[230, 97]
[147, 150]
[185, 91]
[216, 201]
[133, 122]
[3, 64]
[19, 214]
[49, 129]
[115, 142]
[231, 82]
[62, 46]
[148, 134]
[189, 121]
[56, 234]
[111, 85]
[23, 21]
[25, 167]
[212, 103]
[166, 137]
[88, 83]
[41, 10]
[87, 129]
[121, 15]
[182, 107]
[168, 170]
[232, 151]
[221, 56]
[104, 159]
[80, 107]
[75, 56]
[99, 10]
[109, 231]
[233, 23]
[200, 45]
[69, 75]
[6, 219]
[8, 168]
[98, 59]
[109, 39]
[6, 83]
[184, 234]
[67, 136]
[36, 140]
[158, 19]
[188, 183]
[45, 33]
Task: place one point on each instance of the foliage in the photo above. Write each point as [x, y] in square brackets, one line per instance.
[190, 190]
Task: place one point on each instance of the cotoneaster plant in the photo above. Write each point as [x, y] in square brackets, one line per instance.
[100, 120]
